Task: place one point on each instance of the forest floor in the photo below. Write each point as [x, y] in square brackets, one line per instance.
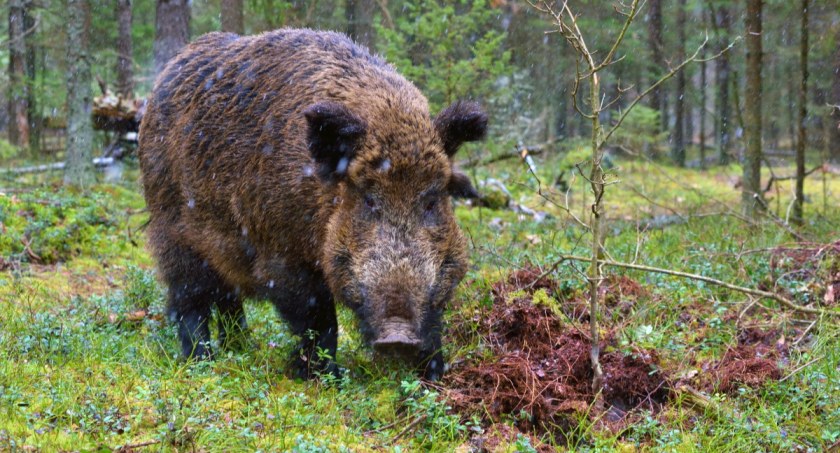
[88, 362]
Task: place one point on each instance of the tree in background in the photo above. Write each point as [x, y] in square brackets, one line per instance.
[79, 169]
[18, 106]
[801, 139]
[751, 182]
[679, 142]
[659, 97]
[359, 15]
[172, 30]
[233, 19]
[834, 125]
[450, 54]
[703, 89]
[33, 119]
[723, 26]
[125, 61]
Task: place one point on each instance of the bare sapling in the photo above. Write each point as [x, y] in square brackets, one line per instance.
[587, 76]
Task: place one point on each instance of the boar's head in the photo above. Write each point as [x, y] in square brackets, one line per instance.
[392, 250]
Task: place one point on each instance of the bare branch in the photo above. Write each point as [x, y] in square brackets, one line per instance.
[656, 85]
[634, 10]
[26, 32]
[755, 292]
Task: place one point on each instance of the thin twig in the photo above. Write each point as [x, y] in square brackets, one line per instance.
[30, 30]
[663, 79]
[804, 333]
[776, 219]
[408, 428]
[131, 447]
[800, 368]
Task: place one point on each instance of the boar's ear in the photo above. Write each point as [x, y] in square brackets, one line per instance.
[463, 121]
[460, 186]
[334, 136]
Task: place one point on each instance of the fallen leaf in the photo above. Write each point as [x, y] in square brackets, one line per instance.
[136, 316]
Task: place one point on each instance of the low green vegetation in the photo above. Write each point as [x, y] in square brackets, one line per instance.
[88, 361]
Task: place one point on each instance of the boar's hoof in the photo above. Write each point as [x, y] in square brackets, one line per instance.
[198, 351]
[434, 368]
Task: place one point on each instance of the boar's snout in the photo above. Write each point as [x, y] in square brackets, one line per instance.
[397, 338]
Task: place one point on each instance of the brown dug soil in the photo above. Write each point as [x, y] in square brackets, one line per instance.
[540, 366]
[754, 361]
[809, 261]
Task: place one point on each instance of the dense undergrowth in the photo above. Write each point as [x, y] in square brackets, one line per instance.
[88, 362]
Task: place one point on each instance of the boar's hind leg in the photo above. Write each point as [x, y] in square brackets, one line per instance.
[194, 288]
[311, 315]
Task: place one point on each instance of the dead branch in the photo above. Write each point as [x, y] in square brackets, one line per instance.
[408, 428]
[383, 6]
[693, 58]
[774, 178]
[777, 220]
[755, 292]
[29, 31]
[533, 150]
[99, 162]
[801, 367]
[131, 447]
[700, 402]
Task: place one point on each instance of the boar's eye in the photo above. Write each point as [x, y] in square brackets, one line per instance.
[371, 203]
[430, 209]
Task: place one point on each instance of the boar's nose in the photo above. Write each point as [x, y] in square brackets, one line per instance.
[397, 338]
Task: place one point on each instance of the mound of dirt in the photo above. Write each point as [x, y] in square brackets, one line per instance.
[751, 363]
[819, 263]
[528, 278]
[540, 367]
[745, 366]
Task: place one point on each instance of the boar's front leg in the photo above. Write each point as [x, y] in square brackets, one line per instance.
[309, 308]
[431, 361]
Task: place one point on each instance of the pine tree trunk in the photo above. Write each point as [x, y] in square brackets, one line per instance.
[125, 60]
[678, 146]
[703, 108]
[172, 30]
[657, 96]
[79, 169]
[18, 91]
[751, 182]
[801, 139]
[834, 122]
[233, 19]
[32, 114]
[722, 77]
[359, 15]
[790, 108]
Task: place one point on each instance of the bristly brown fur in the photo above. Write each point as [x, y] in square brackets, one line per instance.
[296, 166]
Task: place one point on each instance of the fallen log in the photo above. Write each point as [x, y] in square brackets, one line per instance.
[99, 162]
[532, 150]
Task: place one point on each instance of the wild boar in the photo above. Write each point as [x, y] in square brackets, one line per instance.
[295, 166]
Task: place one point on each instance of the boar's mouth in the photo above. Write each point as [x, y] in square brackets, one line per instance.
[397, 338]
